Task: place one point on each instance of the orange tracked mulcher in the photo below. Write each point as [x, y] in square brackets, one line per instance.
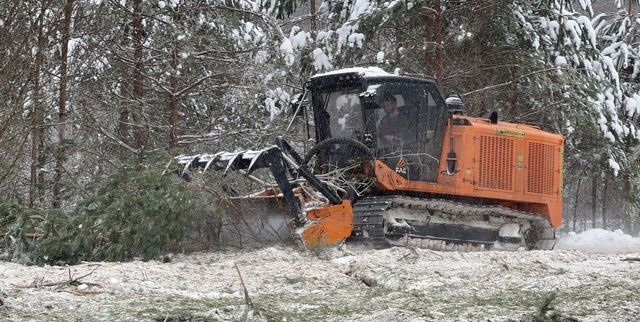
[443, 180]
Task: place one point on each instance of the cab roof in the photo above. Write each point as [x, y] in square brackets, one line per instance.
[361, 71]
[350, 75]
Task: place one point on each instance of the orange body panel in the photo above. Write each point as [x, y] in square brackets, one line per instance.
[516, 166]
[328, 225]
[331, 225]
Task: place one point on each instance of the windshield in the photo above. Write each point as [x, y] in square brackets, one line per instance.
[402, 120]
[344, 113]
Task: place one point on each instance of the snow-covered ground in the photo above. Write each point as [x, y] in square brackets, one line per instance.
[594, 276]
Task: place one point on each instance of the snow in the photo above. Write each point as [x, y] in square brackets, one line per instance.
[360, 8]
[261, 57]
[632, 105]
[586, 5]
[364, 71]
[600, 241]
[610, 66]
[588, 28]
[356, 39]
[286, 48]
[347, 34]
[322, 35]
[611, 49]
[274, 102]
[609, 136]
[509, 230]
[593, 274]
[298, 38]
[343, 34]
[320, 60]
[553, 28]
[560, 61]
[573, 28]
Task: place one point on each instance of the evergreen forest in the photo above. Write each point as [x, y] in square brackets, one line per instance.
[99, 96]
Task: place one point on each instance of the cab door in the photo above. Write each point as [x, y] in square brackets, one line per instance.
[432, 123]
[416, 157]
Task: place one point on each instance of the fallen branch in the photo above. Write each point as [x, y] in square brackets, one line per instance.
[631, 259]
[412, 251]
[71, 282]
[144, 275]
[85, 293]
[247, 299]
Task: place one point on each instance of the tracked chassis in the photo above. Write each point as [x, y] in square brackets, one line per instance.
[447, 225]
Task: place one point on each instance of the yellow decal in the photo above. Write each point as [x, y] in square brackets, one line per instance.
[516, 134]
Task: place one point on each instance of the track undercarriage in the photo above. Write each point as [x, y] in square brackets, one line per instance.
[447, 225]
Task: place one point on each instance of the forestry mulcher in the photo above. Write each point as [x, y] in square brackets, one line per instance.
[443, 180]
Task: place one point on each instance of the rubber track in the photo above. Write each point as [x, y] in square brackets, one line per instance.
[369, 221]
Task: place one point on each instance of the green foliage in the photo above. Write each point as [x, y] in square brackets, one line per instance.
[141, 211]
[546, 312]
[21, 228]
[9, 213]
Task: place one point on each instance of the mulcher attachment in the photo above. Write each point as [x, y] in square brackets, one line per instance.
[320, 216]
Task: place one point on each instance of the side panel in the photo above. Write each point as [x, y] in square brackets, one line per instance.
[495, 168]
[542, 163]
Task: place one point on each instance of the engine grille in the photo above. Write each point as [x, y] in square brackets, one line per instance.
[540, 168]
[496, 163]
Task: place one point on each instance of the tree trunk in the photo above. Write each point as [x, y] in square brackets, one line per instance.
[439, 44]
[123, 118]
[139, 129]
[583, 222]
[629, 193]
[428, 37]
[575, 203]
[313, 24]
[62, 104]
[125, 92]
[594, 199]
[605, 201]
[173, 100]
[513, 99]
[37, 117]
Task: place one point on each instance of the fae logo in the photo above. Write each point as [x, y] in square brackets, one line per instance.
[401, 166]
